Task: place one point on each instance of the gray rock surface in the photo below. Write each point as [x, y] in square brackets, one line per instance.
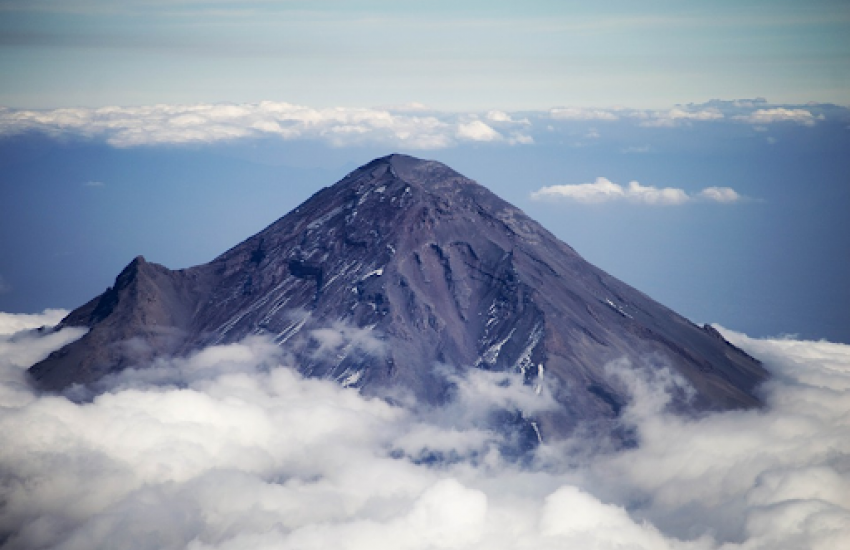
[403, 265]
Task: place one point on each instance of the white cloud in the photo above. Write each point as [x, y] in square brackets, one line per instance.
[11, 323]
[601, 190]
[23, 342]
[675, 117]
[771, 478]
[174, 124]
[719, 194]
[576, 518]
[655, 195]
[410, 126]
[405, 126]
[604, 190]
[341, 339]
[499, 116]
[779, 114]
[578, 113]
[243, 453]
[477, 131]
[503, 118]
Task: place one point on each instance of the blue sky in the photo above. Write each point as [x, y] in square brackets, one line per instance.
[177, 129]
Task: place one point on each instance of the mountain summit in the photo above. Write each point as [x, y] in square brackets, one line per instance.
[400, 267]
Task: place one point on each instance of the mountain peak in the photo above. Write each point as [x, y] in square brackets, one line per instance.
[401, 266]
[408, 167]
[429, 176]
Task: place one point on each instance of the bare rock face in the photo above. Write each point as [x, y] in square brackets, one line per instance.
[401, 266]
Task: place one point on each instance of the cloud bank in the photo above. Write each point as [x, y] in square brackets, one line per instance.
[245, 453]
[206, 123]
[604, 190]
[411, 126]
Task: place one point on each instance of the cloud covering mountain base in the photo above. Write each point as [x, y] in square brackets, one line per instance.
[230, 448]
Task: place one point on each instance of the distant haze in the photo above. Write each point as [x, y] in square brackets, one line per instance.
[476, 54]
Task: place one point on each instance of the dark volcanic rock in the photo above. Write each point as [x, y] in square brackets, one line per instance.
[402, 265]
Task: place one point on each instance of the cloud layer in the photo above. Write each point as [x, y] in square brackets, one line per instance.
[204, 123]
[245, 453]
[411, 126]
[604, 190]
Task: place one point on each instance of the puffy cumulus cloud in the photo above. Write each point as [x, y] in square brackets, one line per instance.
[600, 190]
[604, 190]
[719, 194]
[780, 114]
[477, 131]
[517, 129]
[579, 520]
[774, 478]
[232, 450]
[234, 446]
[654, 195]
[499, 116]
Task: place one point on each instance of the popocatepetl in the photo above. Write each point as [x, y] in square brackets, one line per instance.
[398, 273]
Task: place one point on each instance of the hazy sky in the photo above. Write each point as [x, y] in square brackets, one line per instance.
[447, 54]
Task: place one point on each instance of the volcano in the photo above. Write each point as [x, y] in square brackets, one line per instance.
[400, 270]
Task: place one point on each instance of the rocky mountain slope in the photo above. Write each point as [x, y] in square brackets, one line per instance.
[401, 266]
